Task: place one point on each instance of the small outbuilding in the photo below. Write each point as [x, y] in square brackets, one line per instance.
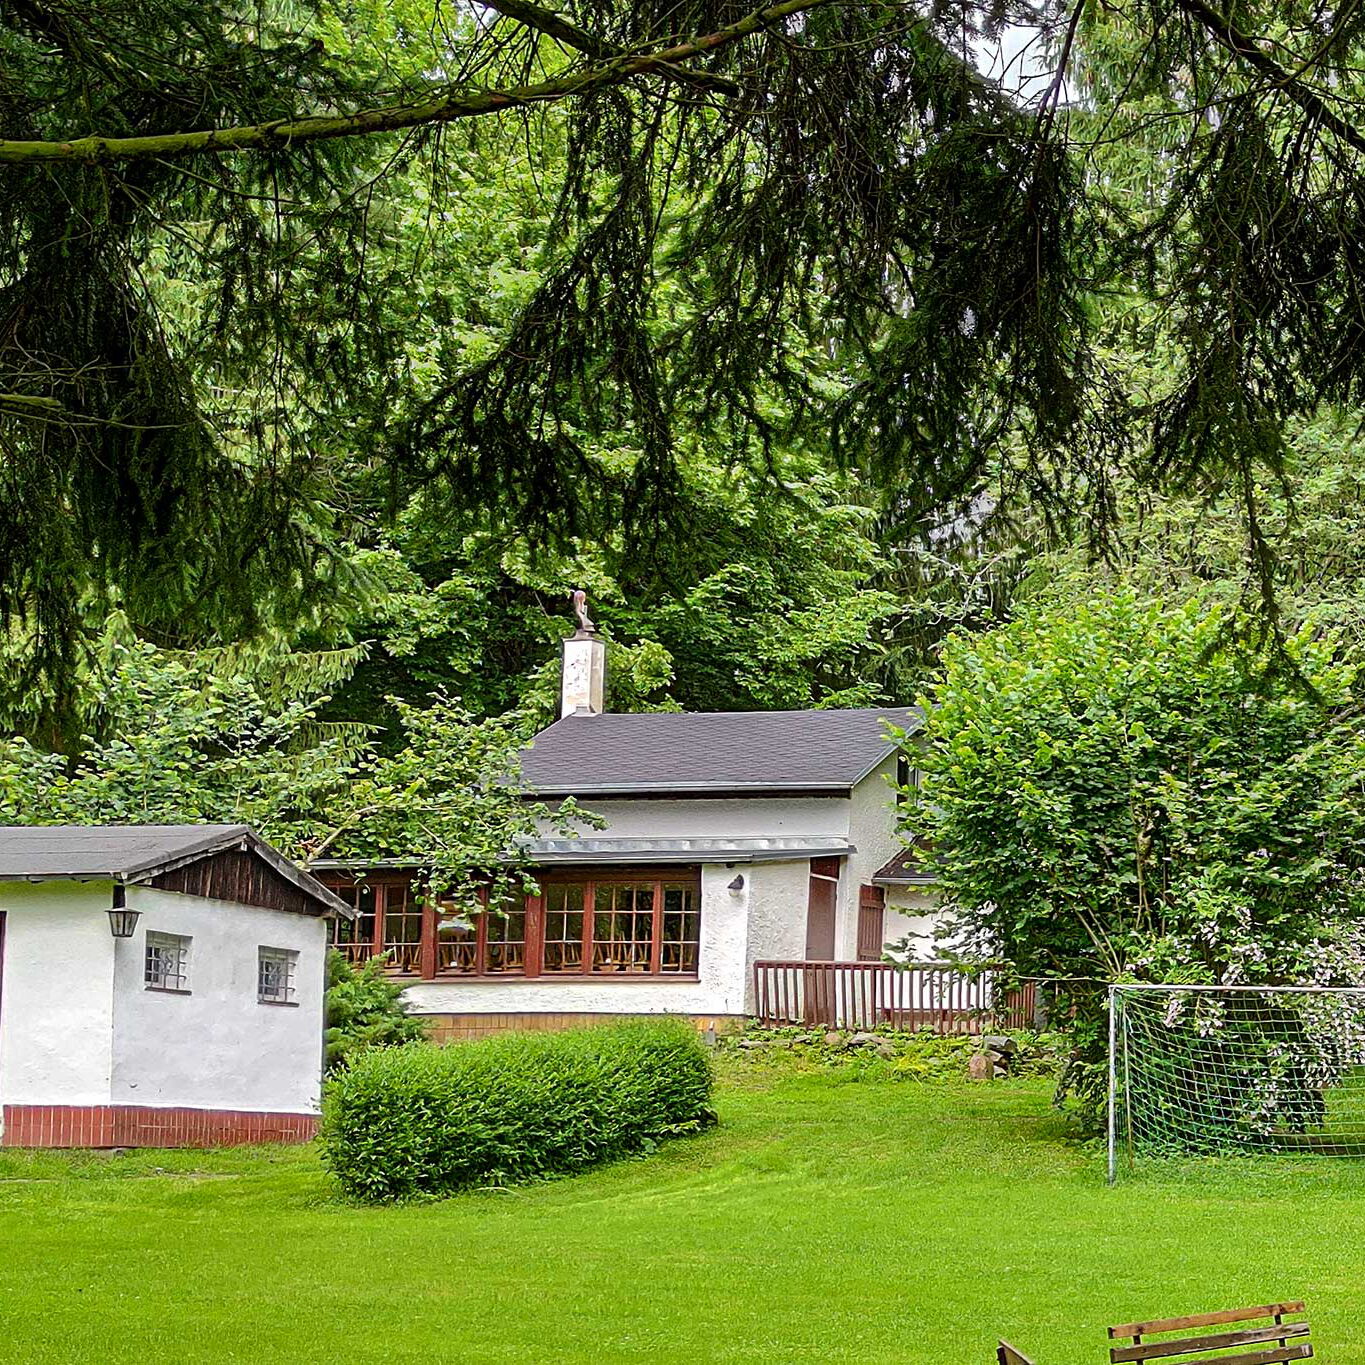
[160, 986]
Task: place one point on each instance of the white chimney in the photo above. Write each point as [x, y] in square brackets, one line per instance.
[583, 679]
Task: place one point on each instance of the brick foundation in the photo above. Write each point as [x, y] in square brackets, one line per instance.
[133, 1125]
[464, 1028]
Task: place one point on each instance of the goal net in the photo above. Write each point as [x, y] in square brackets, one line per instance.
[1215, 1070]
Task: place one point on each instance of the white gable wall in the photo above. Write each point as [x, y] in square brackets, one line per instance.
[873, 829]
[218, 1047]
[735, 817]
[77, 1026]
[57, 993]
[912, 912]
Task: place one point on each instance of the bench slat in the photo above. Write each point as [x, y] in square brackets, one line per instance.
[1142, 1329]
[1274, 1357]
[1219, 1341]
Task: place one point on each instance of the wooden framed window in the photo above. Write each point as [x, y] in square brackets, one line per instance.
[389, 920]
[623, 927]
[504, 939]
[612, 922]
[562, 945]
[681, 941]
[402, 926]
[355, 938]
[457, 945]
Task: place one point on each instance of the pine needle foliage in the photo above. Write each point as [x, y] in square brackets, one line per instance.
[769, 225]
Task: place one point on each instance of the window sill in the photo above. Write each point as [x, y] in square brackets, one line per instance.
[286, 1004]
[167, 990]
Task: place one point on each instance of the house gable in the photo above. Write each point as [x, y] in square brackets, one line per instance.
[240, 876]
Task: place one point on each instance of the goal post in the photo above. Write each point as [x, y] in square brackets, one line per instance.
[1235, 1070]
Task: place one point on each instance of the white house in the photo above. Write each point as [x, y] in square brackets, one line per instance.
[730, 838]
[160, 985]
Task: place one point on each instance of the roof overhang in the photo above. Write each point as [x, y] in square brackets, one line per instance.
[220, 840]
[684, 790]
[589, 852]
[600, 852]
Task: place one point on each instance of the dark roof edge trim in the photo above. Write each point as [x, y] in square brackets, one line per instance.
[709, 856]
[212, 843]
[649, 857]
[700, 789]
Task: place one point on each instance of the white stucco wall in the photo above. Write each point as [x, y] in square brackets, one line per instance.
[218, 1047]
[728, 818]
[779, 894]
[720, 988]
[56, 994]
[911, 910]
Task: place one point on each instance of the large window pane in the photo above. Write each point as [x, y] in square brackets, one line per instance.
[622, 927]
[563, 928]
[355, 938]
[402, 928]
[506, 938]
[681, 928]
[457, 945]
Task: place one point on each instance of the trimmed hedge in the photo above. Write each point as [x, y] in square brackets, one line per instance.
[422, 1119]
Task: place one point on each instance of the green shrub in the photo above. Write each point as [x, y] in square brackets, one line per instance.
[432, 1120]
[365, 1009]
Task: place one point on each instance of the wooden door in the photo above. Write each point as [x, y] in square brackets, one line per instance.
[819, 1005]
[871, 923]
[820, 909]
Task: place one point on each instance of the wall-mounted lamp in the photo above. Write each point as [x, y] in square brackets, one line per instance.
[738, 883]
[122, 921]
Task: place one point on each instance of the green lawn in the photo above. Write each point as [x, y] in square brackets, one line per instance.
[824, 1220]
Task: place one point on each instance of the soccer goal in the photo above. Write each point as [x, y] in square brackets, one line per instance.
[1224, 1070]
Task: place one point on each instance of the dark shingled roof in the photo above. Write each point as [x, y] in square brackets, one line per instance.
[691, 753]
[911, 866]
[137, 853]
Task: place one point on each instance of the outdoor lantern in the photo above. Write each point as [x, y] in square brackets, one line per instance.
[122, 921]
[737, 884]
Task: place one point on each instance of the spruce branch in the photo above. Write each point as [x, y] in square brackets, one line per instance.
[444, 106]
[555, 26]
[1223, 31]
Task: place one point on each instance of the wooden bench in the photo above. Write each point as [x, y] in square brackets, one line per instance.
[1006, 1355]
[1248, 1336]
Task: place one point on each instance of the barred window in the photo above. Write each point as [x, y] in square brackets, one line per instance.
[275, 975]
[166, 965]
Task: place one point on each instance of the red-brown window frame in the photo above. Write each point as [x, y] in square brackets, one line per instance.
[590, 878]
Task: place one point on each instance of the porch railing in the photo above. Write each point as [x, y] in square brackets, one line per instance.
[865, 995]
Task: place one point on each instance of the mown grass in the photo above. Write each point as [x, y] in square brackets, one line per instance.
[833, 1215]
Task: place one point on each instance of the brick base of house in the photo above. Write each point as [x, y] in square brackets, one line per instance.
[464, 1028]
[134, 1125]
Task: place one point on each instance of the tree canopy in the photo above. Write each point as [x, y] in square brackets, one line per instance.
[198, 739]
[760, 229]
[1117, 791]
